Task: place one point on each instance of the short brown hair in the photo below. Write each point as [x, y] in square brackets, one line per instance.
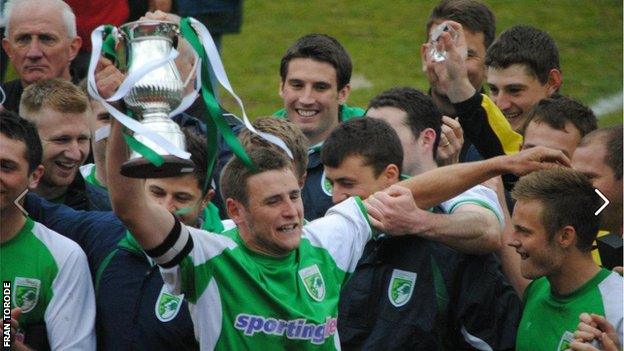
[611, 138]
[322, 48]
[567, 197]
[233, 182]
[287, 131]
[470, 14]
[557, 110]
[56, 94]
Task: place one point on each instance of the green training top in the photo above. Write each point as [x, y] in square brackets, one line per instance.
[549, 320]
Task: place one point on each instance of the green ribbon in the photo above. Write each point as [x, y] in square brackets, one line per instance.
[215, 112]
[108, 45]
[156, 159]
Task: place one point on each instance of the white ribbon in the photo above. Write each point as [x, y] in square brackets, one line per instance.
[102, 133]
[219, 71]
[3, 96]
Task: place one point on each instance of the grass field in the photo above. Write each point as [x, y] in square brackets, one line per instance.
[383, 38]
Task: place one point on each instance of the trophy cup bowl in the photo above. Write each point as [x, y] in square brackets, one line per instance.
[154, 96]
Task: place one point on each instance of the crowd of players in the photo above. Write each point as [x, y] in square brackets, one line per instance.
[449, 219]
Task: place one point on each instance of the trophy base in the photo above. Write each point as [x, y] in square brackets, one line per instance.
[172, 167]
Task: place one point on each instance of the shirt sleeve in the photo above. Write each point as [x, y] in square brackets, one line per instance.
[183, 258]
[70, 315]
[343, 232]
[478, 195]
[486, 127]
[96, 232]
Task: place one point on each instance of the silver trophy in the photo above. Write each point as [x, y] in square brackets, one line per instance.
[435, 53]
[154, 96]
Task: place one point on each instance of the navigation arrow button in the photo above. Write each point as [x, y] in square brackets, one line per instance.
[604, 198]
[17, 204]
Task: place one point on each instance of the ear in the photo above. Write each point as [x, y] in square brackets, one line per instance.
[281, 89]
[427, 138]
[35, 177]
[555, 79]
[235, 211]
[302, 180]
[209, 195]
[391, 174]
[7, 48]
[566, 237]
[343, 93]
[74, 47]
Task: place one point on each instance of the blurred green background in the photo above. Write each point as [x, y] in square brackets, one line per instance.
[383, 38]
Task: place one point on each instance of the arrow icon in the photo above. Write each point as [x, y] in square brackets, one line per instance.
[604, 198]
[17, 204]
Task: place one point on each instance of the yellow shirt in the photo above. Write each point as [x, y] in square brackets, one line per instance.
[595, 253]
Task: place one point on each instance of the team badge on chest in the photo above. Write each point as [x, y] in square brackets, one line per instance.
[26, 293]
[401, 287]
[313, 282]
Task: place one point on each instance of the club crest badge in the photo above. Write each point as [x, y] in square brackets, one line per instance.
[565, 341]
[313, 282]
[26, 293]
[167, 305]
[401, 287]
[326, 185]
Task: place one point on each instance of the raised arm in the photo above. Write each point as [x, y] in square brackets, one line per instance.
[435, 186]
[149, 223]
[483, 123]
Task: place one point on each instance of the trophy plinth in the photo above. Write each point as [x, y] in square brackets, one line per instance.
[154, 96]
[173, 166]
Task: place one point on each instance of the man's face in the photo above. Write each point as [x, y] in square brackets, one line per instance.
[14, 176]
[475, 62]
[65, 141]
[100, 118]
[178, 193]
[311, 97]
[413, 153]
[514, 90]
[353, 178]
[541, 134]
[38, 44]
[590, 160]
[273, 216]
[539, 256]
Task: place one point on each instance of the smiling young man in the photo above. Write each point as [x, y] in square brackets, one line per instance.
[41, 41]
[555, 226]
[315, 74]
[49, 273]
[522, 69]
[61, 113]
